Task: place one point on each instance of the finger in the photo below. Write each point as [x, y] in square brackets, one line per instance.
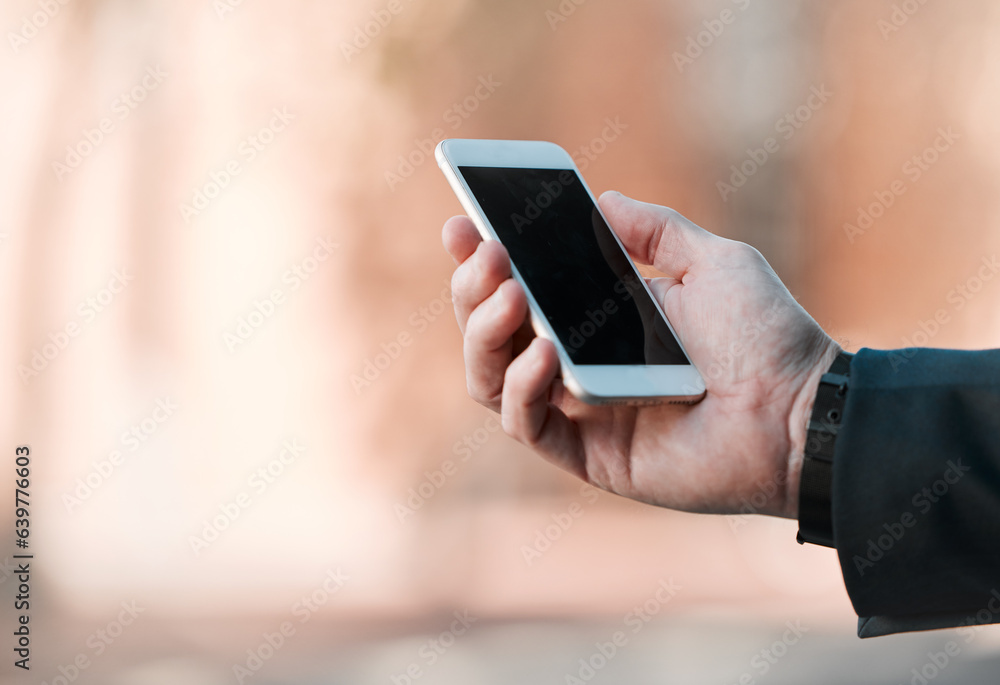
[460, 238]
[489, 344]
[661, 287]
[477, 278]
[529, 417]
[655, 235]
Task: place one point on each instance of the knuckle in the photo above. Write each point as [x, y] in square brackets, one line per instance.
[750, 252]
[513, 426]
[673, 224]
[511, 375]
[671, 217]
[460, 283]
[482, 395]
[476, 332]
[740, 252]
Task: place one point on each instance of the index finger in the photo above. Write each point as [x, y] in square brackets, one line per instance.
[460, 238]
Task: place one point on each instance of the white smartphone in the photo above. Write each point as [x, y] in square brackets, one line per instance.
[614, 342]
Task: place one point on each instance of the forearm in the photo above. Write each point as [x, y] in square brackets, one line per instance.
[916, 489]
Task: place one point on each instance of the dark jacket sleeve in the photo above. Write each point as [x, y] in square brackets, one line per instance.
[916, 489]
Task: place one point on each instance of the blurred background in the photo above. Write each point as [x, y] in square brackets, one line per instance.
[227, 334]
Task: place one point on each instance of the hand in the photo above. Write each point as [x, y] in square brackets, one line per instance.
[760, 353]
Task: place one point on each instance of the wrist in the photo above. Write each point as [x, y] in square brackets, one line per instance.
[798, 422]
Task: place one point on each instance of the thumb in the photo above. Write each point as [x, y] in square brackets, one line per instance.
[655, 235]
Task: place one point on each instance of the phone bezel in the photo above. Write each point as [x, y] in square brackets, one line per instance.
[594, 384]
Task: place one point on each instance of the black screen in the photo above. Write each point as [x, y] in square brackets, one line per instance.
[567, 255]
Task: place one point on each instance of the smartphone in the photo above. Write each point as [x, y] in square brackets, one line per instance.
[584, 293]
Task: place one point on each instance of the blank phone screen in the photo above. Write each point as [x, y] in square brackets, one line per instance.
[577, 272]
